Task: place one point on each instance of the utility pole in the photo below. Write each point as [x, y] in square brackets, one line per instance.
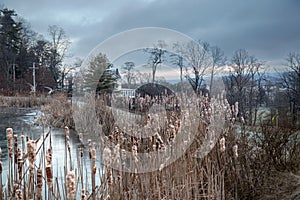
[14, 76]
[33, 77]
[14, 73]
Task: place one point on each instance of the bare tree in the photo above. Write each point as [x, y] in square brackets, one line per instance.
[177, 60]
[291, 81]
[156, 56]
[128, 67]
[217, 56]
[145, 77]
[67, 68]
[197, 56]
[59, 44]
[241, 82]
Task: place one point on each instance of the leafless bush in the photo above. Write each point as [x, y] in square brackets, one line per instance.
[58, 112]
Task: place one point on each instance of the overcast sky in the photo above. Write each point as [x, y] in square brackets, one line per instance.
[268, 29]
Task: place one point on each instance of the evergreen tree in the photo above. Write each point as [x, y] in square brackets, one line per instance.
[10, 38]
[99, 76]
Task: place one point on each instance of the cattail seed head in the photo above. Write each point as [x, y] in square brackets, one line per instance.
[242, 120]
[93, 152]
[116, 153]
[67, 130]
[9, 136]
[71, 184]
[83, 196]
[16, 149]
[235, 150]
[49, 156]
[39, 184]
[31, 153]
[134, 150]
[94, 170]
[106, 156]
[69, 146]
[81, 138]
[123, 154]
[222, 144]
[19, 194]
[81, 151]
[89, 143]
[49, 175]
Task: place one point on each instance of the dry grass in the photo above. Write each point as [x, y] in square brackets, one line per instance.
[58, 112]
[242, 163]
[24, 101]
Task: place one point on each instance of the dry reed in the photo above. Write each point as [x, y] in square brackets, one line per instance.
[236, 169]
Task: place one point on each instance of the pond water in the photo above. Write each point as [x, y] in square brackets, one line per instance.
[22, 120]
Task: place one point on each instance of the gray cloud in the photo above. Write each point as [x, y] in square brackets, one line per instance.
[268, 29]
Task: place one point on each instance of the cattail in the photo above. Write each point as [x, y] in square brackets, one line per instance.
[233, 120]
[49, 156]
[243, 120]
[161, 166]
[106, 156]
[107, 161]
[16, 148]
[20, 164]
[93, 152]
[49, 175]
[81, 138]
[68, 138]
[116, 154]
[236, 109]
[172, 133]
[158, 138]
[178, 124]
[9, 136]
[108, 172]
[49, 168]
[222, 144]
[0, 152]
[123, 154]
[31, 152]
[134, 150]
[123, 157]
[148, 118]
[89, 143]
[67, 132]
[81, 151]
[235, 150]
[228, 110]
[134, 153]
[18, 194]
[83, 196]
[71, 184]
[0, 167]
[94, 169]
[39, 179]
[23, 145]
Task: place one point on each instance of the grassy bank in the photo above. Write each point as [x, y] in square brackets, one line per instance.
[24, 101]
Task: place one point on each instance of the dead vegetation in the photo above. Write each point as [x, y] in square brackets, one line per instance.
[231, 161]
